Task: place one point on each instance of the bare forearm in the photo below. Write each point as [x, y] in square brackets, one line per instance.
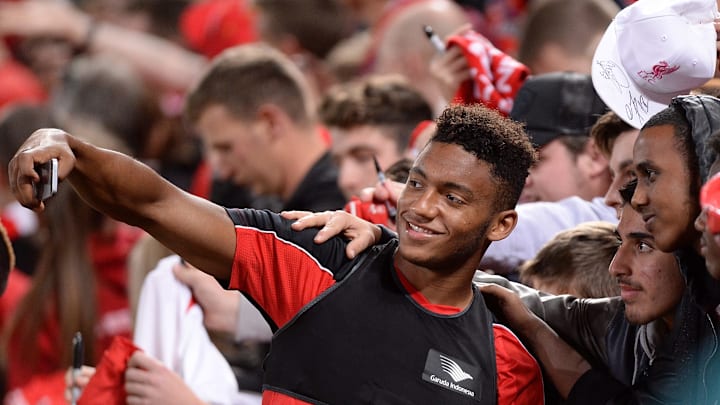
[130, 191]
[127, 190]
[117, 184]
[562, 363]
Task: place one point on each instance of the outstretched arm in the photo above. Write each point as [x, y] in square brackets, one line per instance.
[129, 191]
[563, 364]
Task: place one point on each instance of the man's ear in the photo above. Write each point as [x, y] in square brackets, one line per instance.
[273, 119]
[501, 225]
[596, 164]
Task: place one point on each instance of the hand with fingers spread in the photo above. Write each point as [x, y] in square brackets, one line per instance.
[77, 380]
[148, 382]
[508, 305]
[362, 234]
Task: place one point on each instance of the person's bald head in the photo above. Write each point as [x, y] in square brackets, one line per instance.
[405, 49]
[560, 35]
[404, 32]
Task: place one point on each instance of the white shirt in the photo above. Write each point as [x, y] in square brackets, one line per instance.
[169, 327]
[538, 222]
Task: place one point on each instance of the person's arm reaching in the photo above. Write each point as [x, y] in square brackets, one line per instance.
[449, 70]
[129, 191]
[564, 365]
[361, 234]
[220, 307]
[159, 60]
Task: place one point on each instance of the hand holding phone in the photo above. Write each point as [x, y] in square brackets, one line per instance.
[47, 186]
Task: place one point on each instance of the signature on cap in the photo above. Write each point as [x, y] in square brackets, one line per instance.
[612, 72]
[636, 106]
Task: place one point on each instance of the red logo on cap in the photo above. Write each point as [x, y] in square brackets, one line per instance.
[658, 71]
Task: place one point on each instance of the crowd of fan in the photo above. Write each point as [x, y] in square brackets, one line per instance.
[584, 228]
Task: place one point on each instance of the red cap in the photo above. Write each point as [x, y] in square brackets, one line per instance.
[211, 26]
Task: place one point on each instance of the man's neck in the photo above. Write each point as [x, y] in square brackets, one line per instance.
[302, 151]
[440, 288]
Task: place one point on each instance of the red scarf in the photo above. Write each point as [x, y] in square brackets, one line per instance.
[107, 385]
[496, 77]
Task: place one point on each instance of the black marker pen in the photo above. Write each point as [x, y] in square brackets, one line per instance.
[77, 365]
[434, 39]
[392, 212]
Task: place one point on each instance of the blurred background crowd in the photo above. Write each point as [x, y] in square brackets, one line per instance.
[329, 89]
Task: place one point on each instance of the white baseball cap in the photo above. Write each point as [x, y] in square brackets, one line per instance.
[652, 51]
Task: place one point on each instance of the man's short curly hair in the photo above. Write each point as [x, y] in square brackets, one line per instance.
[494, 139]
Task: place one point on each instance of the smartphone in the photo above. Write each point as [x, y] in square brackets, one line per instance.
[48, 184]
[77, 351]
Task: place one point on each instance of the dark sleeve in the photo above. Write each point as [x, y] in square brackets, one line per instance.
[330, 255]
[281, 270]
[583, 323]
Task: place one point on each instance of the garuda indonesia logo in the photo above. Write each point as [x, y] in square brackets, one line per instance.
[453, 369]
[452, 374]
